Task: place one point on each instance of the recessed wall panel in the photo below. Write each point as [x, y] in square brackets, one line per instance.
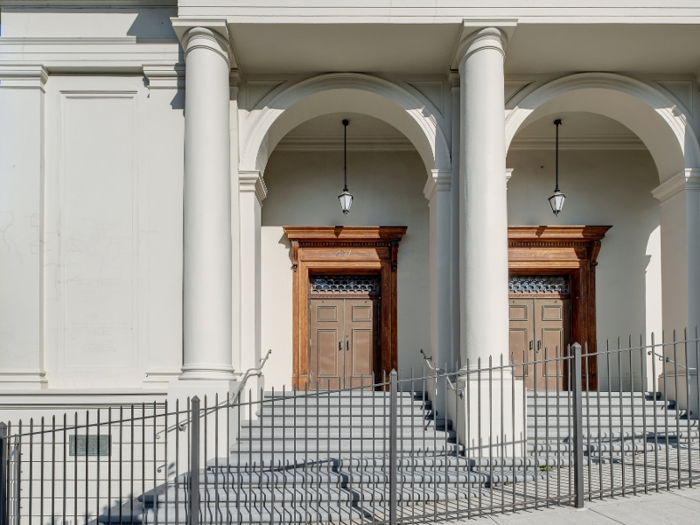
[98, 256]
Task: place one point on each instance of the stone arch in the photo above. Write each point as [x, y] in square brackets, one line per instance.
[345, 92]
[657, 120]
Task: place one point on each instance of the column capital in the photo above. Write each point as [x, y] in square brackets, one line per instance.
[23, 76]
[478, 34]
[213, 34]
[252, 182]
[688, 179]
[438, 180]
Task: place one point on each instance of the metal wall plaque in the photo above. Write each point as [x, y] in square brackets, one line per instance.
[90, 445]
[538, 284]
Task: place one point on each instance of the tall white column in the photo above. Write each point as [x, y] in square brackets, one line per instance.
[207, 208]
[21, 212]
[252, 194]
[438, 191]
[484, 239]
[680, 256]
[484, 252]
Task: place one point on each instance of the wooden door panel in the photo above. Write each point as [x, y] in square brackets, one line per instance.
[551, 329]
[520, 313]
[325, 343]
[327, 353]
[361, 332]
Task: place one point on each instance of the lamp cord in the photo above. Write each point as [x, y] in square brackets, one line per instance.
[557, 123]
[345, 153]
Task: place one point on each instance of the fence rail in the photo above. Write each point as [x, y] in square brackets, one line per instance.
[412, 447]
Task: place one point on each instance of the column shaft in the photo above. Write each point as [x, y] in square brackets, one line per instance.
[484, 246]
[207, 209]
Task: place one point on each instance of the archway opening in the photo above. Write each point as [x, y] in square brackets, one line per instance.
[304, 176]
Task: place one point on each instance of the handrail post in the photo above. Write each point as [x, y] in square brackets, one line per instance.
[4, 449]
[578, 427]
[393, 438]
[194, 462]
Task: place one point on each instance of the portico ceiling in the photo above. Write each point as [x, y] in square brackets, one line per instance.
[424, 49]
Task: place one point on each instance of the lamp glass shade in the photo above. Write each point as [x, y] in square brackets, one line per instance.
[556, 201]
[345, 199]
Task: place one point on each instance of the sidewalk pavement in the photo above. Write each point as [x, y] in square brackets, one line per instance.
[677, 507]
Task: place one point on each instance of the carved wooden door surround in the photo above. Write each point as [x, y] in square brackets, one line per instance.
[343, 250]
[564, 250]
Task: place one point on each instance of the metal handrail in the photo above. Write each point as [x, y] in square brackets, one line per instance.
[669, 360]
[256, 371]
[438, 370]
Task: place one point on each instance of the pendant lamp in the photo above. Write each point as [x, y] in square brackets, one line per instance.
[556, 201]
[345, 198]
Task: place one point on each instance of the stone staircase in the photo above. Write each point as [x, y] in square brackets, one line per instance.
[614, 423]
[325, 457]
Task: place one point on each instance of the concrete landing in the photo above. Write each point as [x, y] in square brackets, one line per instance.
[677, 507]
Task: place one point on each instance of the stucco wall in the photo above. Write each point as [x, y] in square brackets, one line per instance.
[602, 188]
[302, 190]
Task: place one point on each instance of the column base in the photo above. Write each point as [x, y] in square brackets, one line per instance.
[204, 373]
[685, 399]
[209, 393]
[488, 415]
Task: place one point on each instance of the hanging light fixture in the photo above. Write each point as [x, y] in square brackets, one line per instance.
[556, 201]
[345, 198]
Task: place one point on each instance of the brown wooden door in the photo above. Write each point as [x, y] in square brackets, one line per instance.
[342, 343]
[326, 335]
[360, 341]
[539, 330]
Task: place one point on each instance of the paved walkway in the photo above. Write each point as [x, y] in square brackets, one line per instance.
[677, 507]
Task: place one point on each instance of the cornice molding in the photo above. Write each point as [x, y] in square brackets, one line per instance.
[369, 143]
[89, 3]
[688, 179]
[438, 180]
[367, 235]
[252, 182]
[581, 142]
[23, 76]
[165, 76]
[522, 235]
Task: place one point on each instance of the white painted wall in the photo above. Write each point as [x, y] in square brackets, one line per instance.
[302, 190]
[602, 188]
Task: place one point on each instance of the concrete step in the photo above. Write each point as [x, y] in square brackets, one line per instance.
[661, 421]
[379, 400]
[354, 410]
[346, 446]
[304, 421]
[419, 434]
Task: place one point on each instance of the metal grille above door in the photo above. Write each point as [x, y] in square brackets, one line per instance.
[345, 285]
[547, 285]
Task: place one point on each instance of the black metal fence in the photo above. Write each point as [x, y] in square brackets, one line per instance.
[415, 447]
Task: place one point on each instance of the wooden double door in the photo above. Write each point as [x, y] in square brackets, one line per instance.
[343, 342]
[539, 331]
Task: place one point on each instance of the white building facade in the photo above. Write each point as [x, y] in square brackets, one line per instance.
[158, 161]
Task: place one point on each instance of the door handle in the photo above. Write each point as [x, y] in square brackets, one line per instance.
[340, 346]
[539, 346]
[348, 344]
[532, 345]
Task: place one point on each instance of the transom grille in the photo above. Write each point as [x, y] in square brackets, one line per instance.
[345, 284]
[538, 284]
